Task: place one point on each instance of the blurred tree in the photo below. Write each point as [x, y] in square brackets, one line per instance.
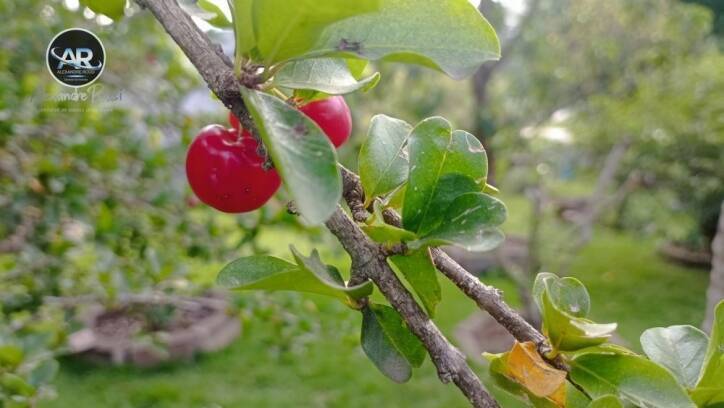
[644, 71]
[93, 193]
[717, 7]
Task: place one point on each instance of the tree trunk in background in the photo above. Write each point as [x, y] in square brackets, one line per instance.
[483, 121]
[715, 293]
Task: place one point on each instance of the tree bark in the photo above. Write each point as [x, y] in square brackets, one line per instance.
[715, 293]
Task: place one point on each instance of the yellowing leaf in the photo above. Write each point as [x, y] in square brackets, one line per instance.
[560, 396]
[529, 369]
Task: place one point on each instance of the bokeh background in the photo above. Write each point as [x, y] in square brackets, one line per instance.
[604, 121]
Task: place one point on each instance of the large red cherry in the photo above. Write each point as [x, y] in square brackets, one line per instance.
[227, 173]
[333, 117]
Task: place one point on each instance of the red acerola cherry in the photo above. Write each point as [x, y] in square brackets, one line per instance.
[234, 121]
[227, 173]
[236, 125]
[333, 117]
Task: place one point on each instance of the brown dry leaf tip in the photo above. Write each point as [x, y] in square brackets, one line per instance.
[527, 367]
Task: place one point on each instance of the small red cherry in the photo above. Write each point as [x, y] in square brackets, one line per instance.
[227, 173]
[333, 117]
[236, 125]
[234, 121]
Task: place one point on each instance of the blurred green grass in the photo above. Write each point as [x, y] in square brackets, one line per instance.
[628, 283]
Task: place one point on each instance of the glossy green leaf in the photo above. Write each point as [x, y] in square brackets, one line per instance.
[111, 8]
[449, 187]
[471, 222]
[681, 349]
[214, 15]
[383, 233]
[396, 199]
[243, 27]
[302, 154]
[568, 294]
[709, 391]
[270, 273]
[564, 302]
[435, 150]
[421, 274]
[605, 348]
[606, 401]
[389, 343]
[329, 75]
[633, 378]
[388, 234]
[449, 35]
[285, 29]
[383, 161]
[568, 332]
[329, 275]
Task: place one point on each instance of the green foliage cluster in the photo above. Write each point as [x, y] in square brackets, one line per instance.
[97, 210]
[27, 364]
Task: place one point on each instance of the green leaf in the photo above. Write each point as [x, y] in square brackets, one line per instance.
[569, 333]
[389, 343]
[43, 373]
[243, 27]
[709, 391]
[356, 66]
[564, 302]
[606, 401]
[420, 273]
[383, 162]
[568, 294]
[111, 8]
[329, 75]
[13, 384]
[329, 275]
[302, 154]
[285, 29]
[471, 221]
[605, 348]
[681, 349]
[449, 187]
[435, 150]
[384, 233]
[633, 378]
[388, 234]
[448, 35]
[270, 273]
[11, 355]
[213, 14]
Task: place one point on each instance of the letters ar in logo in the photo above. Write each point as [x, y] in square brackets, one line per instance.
[78, 58]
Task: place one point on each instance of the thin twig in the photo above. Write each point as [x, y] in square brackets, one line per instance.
[369, 261]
